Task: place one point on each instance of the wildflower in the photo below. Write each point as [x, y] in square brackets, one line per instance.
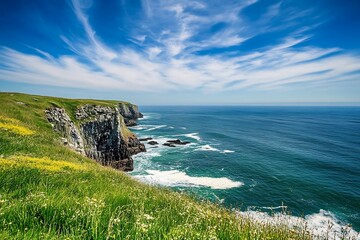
[11, 124]
[148, 217]
[116, 220]
[39, 163]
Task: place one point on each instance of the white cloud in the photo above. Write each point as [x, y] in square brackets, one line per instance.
[170, 61]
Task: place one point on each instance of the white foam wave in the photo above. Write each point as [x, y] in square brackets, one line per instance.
[320, 225]
[228, 151]
[192, 135]
[149, 115]
[178, 178]
[143, 160]
[155, 127]
[207, 147]
[144, 117]
[253, 208]
[144, 126]
[138, 127]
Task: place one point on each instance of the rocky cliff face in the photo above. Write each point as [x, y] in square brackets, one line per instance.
[99, 133]
[62, 124]
[130, 113]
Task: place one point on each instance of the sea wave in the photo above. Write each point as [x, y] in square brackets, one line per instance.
[138, 127]
[228, 151]
[192, 135]
[320, 225]
[155, 127]
[143, 160]
[147, 127]
[147, 116]
[207, 147]
[177, 178]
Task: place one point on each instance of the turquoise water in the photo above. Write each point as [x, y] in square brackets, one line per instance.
[258, 159]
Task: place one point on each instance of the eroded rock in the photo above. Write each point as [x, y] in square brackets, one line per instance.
[130, 113]
[153, 142]
[100, 133]
[178, 142]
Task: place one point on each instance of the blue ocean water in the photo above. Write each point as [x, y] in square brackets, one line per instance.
[259, 158]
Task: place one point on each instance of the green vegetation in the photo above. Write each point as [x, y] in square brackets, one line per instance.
[50, 192]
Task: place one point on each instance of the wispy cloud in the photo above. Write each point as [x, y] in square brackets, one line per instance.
[167, 57]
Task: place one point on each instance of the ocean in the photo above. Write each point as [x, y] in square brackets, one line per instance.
[260, 161]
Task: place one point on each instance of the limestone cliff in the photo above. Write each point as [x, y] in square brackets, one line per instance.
[130, 113]
[99, 132]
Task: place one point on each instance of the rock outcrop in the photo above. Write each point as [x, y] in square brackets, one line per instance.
[130, 113]
[173, 143]
[62, 124]
[99, 132]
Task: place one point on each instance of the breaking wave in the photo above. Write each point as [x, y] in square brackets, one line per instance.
[320, 225]
[177, 178]
[192, 135]
[207, 147]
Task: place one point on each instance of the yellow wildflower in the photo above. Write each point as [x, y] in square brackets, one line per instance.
[11, 124]
[40, 163]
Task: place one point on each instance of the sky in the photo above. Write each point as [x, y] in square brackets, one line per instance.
[167, 52]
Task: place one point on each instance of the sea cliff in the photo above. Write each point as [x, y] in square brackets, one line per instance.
[99, 132]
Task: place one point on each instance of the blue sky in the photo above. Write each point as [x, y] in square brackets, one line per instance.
[183, 52]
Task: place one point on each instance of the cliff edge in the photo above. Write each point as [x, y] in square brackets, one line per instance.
[99, 132]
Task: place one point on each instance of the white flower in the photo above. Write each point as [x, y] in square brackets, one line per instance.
[148, 217]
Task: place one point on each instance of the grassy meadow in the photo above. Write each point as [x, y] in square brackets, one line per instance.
[48, 191]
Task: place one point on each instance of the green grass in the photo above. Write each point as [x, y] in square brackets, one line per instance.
[50, 192]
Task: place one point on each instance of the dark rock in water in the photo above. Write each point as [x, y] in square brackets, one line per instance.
[145, 139]
[178, 141]
[101, 134]
[134, 146]
[169, 144]
[153, 143]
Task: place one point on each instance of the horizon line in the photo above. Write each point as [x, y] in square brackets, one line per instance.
[271, 104]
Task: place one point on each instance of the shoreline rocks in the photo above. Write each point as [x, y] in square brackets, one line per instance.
[178, 142]
[169, 144]
[145, 139]
[153, 142]
[174, 143]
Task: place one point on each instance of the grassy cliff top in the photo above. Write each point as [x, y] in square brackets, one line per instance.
[37, 103]
[48, 191]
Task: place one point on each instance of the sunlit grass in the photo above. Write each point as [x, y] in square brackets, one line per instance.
[39, 163]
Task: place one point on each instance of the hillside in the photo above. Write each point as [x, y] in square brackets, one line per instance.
[49, 191]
